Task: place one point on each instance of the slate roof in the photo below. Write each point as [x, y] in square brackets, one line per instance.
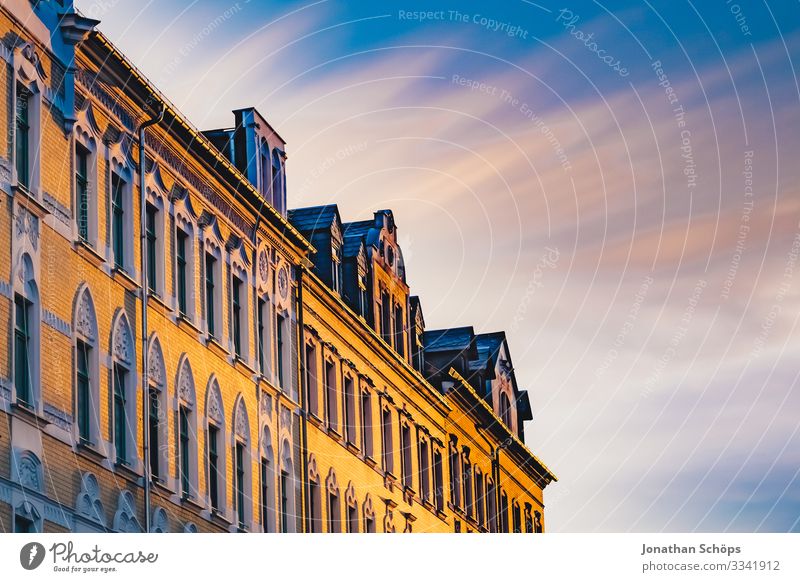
[313, 218]
[446, 340]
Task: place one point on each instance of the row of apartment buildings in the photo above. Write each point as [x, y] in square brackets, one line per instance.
[184, 353]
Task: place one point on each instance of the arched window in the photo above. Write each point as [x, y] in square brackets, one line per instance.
[334, 503]
[160, 523]
[89, 505]
[287, 490]
[267, 482]
[215, 447]
[314, 497]
[125, 517]
[505, 411]
[27, 336]
[537, 522]
[351, 503]
[87, 137]
[123, 390]
[369, 515]
[242, 477]
[186, 421]
[86, 367]
[157, 410]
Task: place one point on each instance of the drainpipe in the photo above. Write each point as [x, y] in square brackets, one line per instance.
[145, 292]
[301, 339]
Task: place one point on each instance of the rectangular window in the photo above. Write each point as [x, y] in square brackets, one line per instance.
[468, 488]
[386, 318]
[240, 460]
[363, 306]
[210, 295]
[180, 276]
[330, 394]
[366, 423]
[284, 502]
[503, 511]
[22, 341]
[386, 435]
[314, 509]
[438, 481]
[83, 389]
[152, 428]
[280, 347]
[262, 306]
[352, 519]
[369, 524]
[424, 471]
[82, 190]
[350, 411]
[23, 525]
[22, 136]
[150, 246]
[335, 274]
[455, 478]
[405, 445]
[264, 494]
[213, 466]
[183, 436]
[118, 220]
[399, 338]
[312, 387]
[120, 413]
[236, 301]
[334, 521]
[517, 517]
[479, 498]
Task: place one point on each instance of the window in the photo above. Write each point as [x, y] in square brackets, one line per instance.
[336, 269]
[363, 302]
[351, 503]
[23, 524]
[82, 156]
[505, 411]
[278, 183]
[528, 519]
[455, 477]
[239, 481]
[386, 437]
[211, 295]
[118, 220]
[22, 135]
[334, 505]
[153, 422]
[284, 501]
[517, 518]
[424, 471]
[491, 495]
[405, 445]
[312, 385]
[366, 423]
[480, 495]
[438, 482]
[236, 303]
[120, 413]
[468, 507]
[183, 453]
[349, 410]
[418, 351]
[503, 511]
[182, 270]
[265, 493]
[22, 350]
[314, 506]
[369, 515]
[84, 390]
[386, 318]
[330, 394]
[261, 316]
[213, 466]
[399, 338]
[537, 522]
[150, 247]
[280, 345]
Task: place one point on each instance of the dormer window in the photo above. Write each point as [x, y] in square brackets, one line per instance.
[336, 269]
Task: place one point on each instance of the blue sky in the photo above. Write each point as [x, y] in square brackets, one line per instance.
[659, 347]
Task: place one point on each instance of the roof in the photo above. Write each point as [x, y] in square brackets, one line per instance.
[313, 218]
[353, 234]
[445, 340]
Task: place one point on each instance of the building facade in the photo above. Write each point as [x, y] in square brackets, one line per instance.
[183, 353]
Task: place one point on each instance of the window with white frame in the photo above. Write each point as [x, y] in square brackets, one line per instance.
[366, 423]
[86, 367]
[286, 489]
[212, 277]
[334, 503]
[406, 455]
[312, 378]
[27, 135]
[331, 391]
[351, 503]
[215, 447]
[123, 391]
[242, 478]
[314, 497]
[387, 440]
[27, 336]
[282, 350]
[157, 411]
[121, 220]
[369, 515]
[267, 483]
[438, 480]
[154, 243]
[187, 429]
[263, 333]
[349, 416]
[424, 470]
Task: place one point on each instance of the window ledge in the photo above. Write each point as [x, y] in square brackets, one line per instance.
[215, 345]
[88, 252]
[29, 414]
[155, 298]
[191, 501]
[161, 485]
[127, 280]
[352, 447]
[126, 470]
[239, 361]
[90, 450]
[370, 461]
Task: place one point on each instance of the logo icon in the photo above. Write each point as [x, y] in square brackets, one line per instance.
[31, 555]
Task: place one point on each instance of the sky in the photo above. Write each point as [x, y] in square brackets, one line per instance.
[615, 184]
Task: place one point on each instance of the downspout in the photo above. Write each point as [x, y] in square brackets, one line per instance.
[145, 292]
[301, 338]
